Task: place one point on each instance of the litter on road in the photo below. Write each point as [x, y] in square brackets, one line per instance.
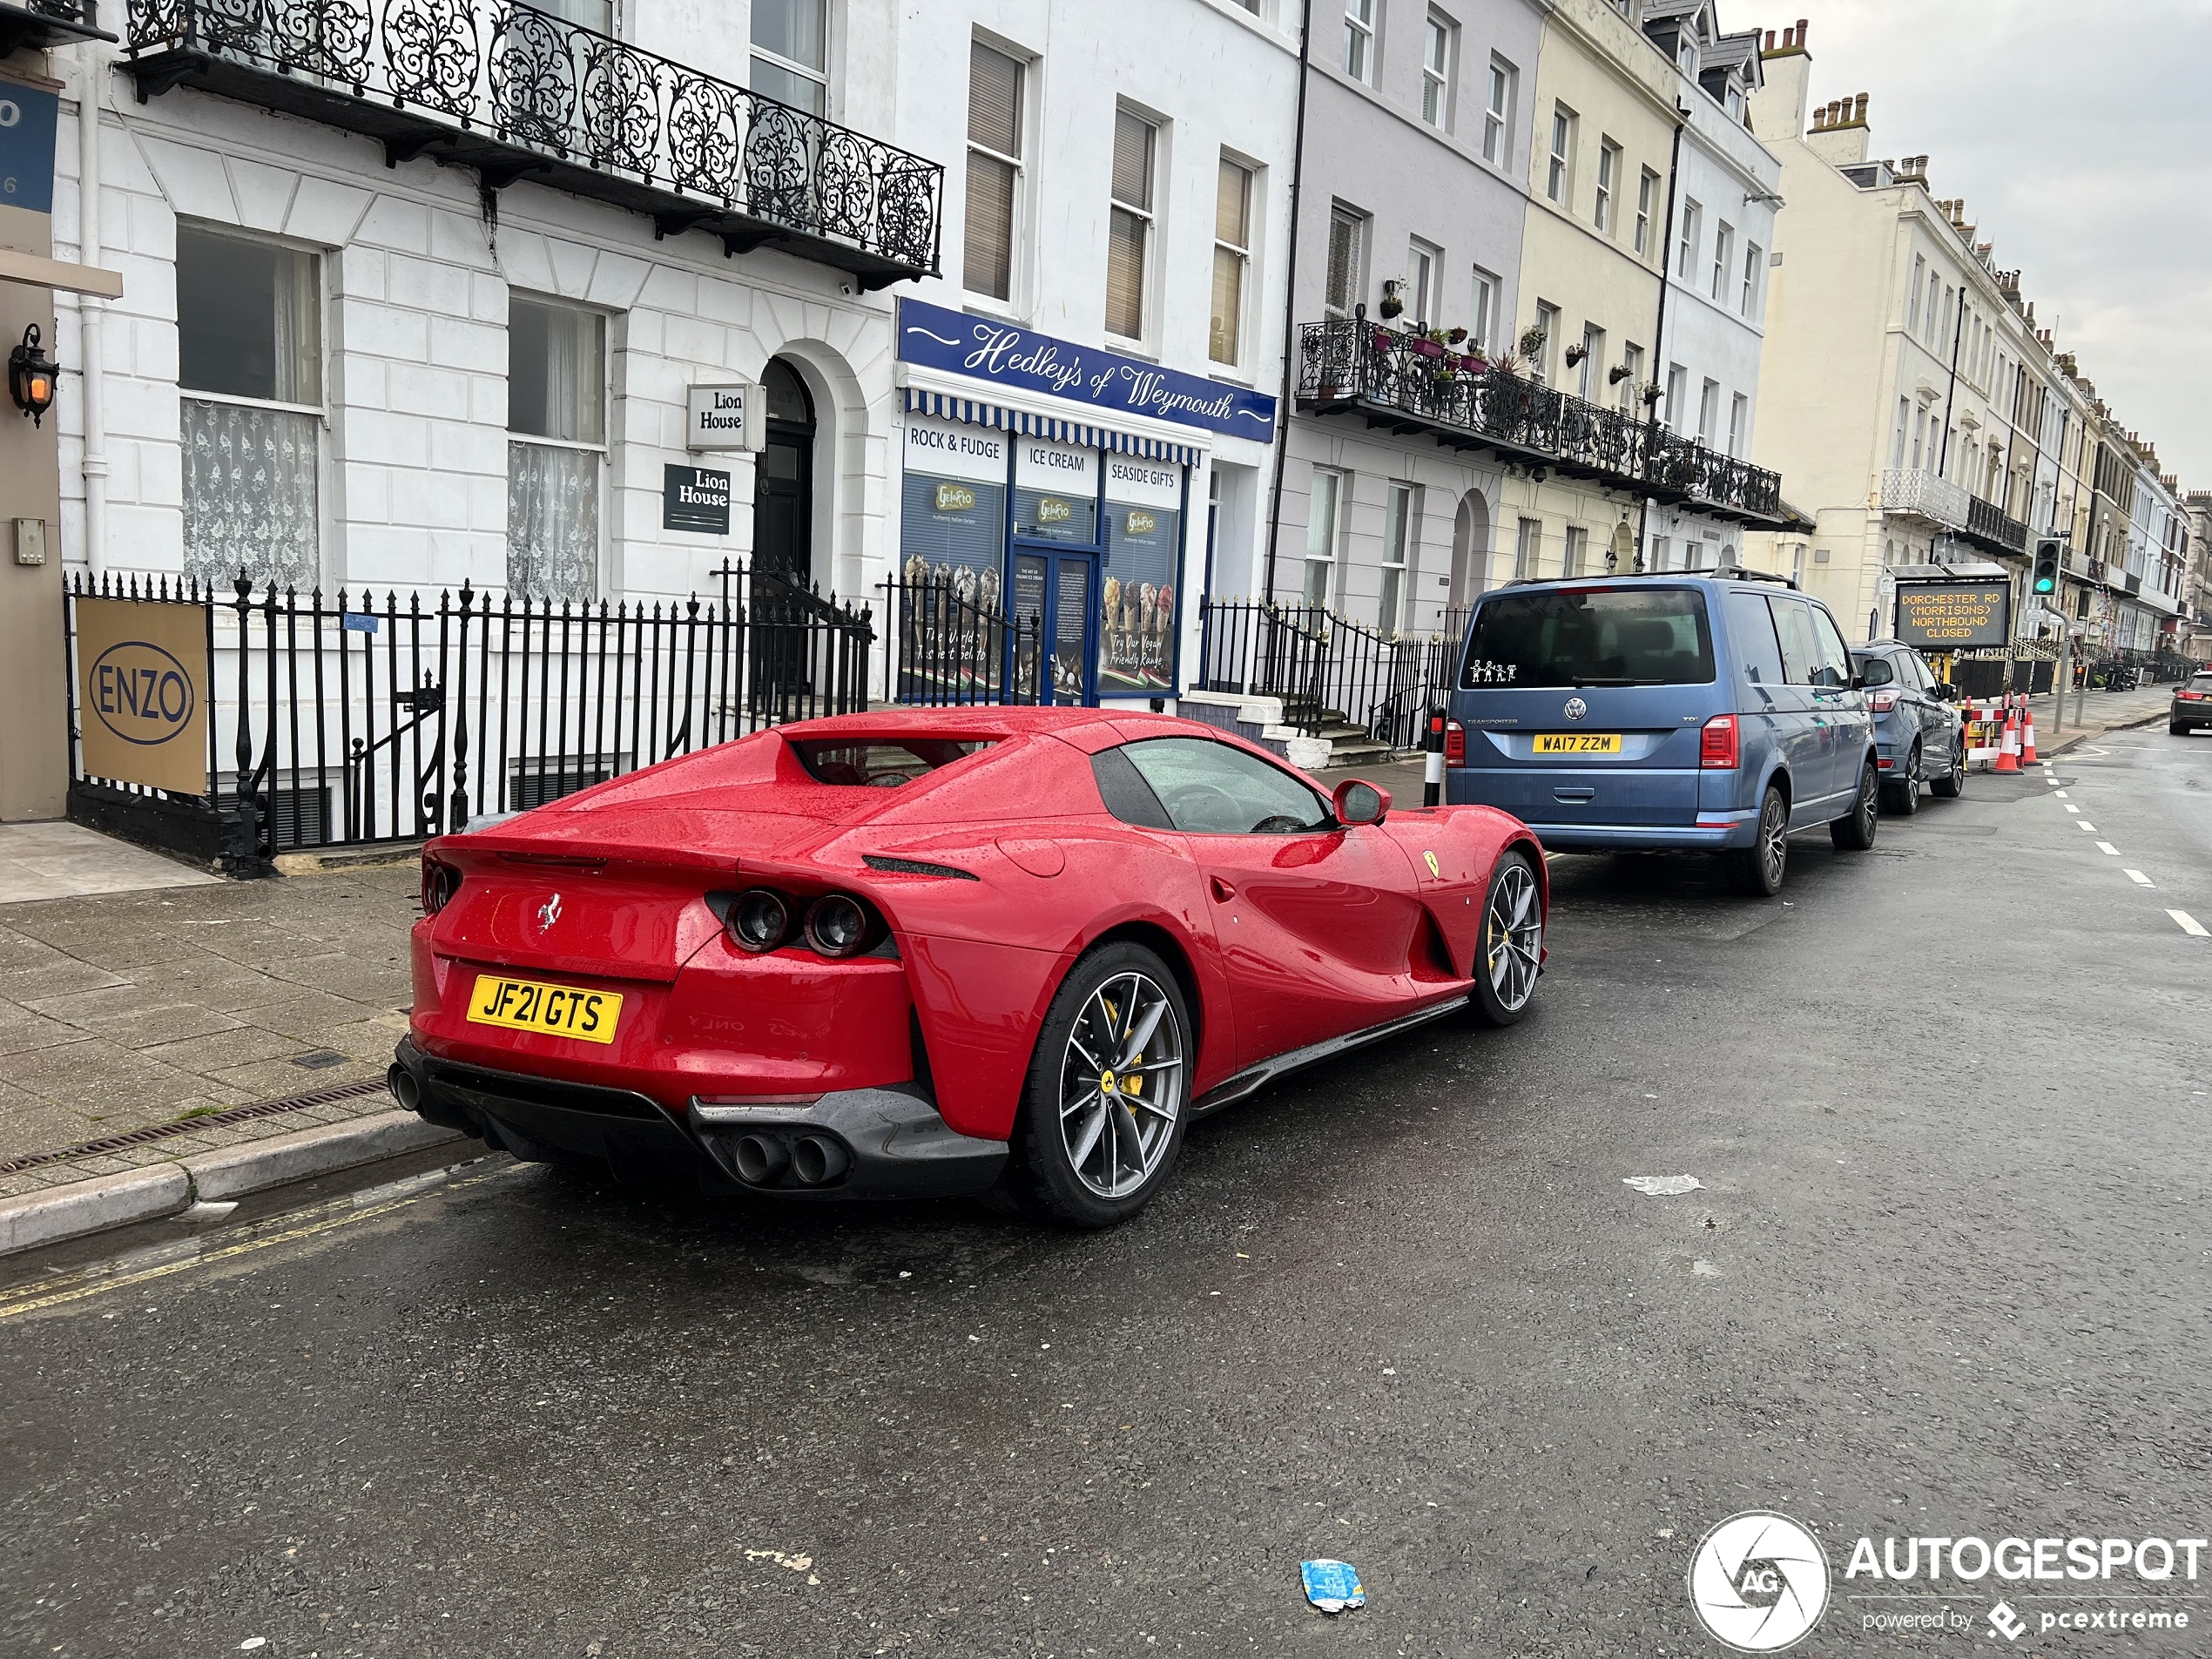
[1333, 1587]
[1663, 1186]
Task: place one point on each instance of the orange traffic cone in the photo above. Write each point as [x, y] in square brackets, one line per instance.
[2027, 733]
[2008, 747]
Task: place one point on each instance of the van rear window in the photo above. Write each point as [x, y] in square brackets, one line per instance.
[1550, 637]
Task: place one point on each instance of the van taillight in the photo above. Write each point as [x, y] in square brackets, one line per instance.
[1456, 744]
[1723, 751]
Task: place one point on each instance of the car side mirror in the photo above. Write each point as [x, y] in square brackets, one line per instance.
[1358, 802]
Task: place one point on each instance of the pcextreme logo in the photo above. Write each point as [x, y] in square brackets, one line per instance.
[1758, 1583]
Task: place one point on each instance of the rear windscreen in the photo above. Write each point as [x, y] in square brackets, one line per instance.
[1550, 636]
[882, 762]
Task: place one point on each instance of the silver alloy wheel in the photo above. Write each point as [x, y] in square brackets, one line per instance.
[1513, 935]
[1774, 838]
[1121, 1085]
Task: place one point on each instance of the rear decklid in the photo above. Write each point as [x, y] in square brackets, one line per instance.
[1585, 704]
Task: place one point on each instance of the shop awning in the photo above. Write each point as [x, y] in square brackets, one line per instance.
[976, 412]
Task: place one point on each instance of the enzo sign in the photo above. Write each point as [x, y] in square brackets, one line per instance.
[142, 693]
[1953, 616]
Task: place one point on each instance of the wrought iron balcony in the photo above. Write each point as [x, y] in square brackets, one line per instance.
[515, 92]
[1407, 383]
[1988, 524]
[49, 22]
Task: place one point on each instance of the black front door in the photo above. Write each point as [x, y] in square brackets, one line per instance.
[783, 539]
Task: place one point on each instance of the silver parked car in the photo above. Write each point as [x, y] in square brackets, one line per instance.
[1919, 740]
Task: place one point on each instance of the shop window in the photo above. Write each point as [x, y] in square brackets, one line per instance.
[995, 171]
[1129, 244]
[1138, 617]
[557, 359]
[791, 54]
[249, 342]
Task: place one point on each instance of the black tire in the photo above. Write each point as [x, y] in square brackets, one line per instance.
[1044, 1176]
[1512, 951]
[1905, 794]
[1954, 784]
[1854, 830]
[1758, 869]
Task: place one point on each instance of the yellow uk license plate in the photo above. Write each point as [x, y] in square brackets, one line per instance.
[556, 1010]
[1578, 742]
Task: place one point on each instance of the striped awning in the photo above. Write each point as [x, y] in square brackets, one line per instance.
[975, 412]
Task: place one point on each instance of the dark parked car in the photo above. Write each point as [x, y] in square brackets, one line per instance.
[1717, 712]
[2192, 705]
[1919, 739]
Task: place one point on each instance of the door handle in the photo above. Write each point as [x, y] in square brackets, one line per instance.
[1223, 890]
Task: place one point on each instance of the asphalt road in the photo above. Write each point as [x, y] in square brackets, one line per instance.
[1947, 1275]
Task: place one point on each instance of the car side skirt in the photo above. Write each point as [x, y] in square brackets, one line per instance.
[1253, 1079]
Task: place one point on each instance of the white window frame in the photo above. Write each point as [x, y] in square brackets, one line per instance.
[1399, 516]
[1439, 48]
[1609, 176]
[1548, 353]
[1483, 310]
[1647, 200]
[1754, 257]
[1423, 262]
[1678, 395]
[1328, 558]
[1723, 260]
[1241, 253]
[1360, 40]
[1148, 292]
[819, 77]
[1558, 161]
[1709, 412]
[1912, 296]
[1578, 551]
[1632, 360]
[1352, 220]
[1018, 218]
[1592, 364]
[1497, 114]
[1692, 237]
[1527, 547]
[603, 448]
[1739, 425]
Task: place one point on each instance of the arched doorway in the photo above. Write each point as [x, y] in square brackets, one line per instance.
[783, 538]
[1470, 549]
[1621, 556]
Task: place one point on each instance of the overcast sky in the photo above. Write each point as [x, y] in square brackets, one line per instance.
[2081, 138]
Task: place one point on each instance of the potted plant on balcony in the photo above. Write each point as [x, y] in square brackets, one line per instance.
[1392, 306]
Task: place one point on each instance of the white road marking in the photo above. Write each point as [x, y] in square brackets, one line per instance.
[2140, 878]
[2061, 795]
[2071, 808]
[2107, 846]
[2190, 924]
[2084, 824]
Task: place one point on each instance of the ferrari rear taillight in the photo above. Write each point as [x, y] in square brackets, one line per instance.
[759, 921]
[838, 925]
[1456, 744]
[1722, 749]
[439, 882]
[1881, 702]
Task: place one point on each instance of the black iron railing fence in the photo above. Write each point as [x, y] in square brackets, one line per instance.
[350, 719]
[1349, 361]
[948, 642]
[1329, 671]
[515, 91]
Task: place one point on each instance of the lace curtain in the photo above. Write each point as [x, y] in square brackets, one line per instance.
[249, 494]
[552, 521]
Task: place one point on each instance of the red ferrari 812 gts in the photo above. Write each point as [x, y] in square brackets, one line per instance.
[935, 951]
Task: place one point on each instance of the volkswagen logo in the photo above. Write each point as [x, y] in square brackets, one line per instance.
[548, 913]
[1576, 708]
[1759, 1583]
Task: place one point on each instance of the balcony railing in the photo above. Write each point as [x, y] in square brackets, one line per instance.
[515, 92]
[49, 22]
[1929, 495]
[1402, 380]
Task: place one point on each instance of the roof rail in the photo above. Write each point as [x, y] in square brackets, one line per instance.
[1744, 573]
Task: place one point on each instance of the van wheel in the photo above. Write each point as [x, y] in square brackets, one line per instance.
[1854, 830]
[1757, 870]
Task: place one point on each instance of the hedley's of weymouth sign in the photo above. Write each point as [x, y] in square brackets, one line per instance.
[986, 349]
[142, 693]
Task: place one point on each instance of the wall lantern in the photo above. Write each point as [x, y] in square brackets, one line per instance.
[30, 377]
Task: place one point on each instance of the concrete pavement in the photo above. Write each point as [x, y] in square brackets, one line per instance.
[1947, 1100]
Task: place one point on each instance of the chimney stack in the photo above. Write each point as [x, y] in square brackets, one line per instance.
[1860, 114]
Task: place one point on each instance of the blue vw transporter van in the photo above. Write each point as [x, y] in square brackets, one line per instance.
[1717, 712]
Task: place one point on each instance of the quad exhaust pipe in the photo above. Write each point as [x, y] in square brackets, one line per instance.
[816, 1160]
[404, 1089]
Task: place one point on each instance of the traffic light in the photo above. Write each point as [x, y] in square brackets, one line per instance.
[2048, 552]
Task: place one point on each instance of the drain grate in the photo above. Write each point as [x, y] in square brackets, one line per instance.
[193, 1125]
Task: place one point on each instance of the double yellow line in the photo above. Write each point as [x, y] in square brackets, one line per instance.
[38, 1298]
